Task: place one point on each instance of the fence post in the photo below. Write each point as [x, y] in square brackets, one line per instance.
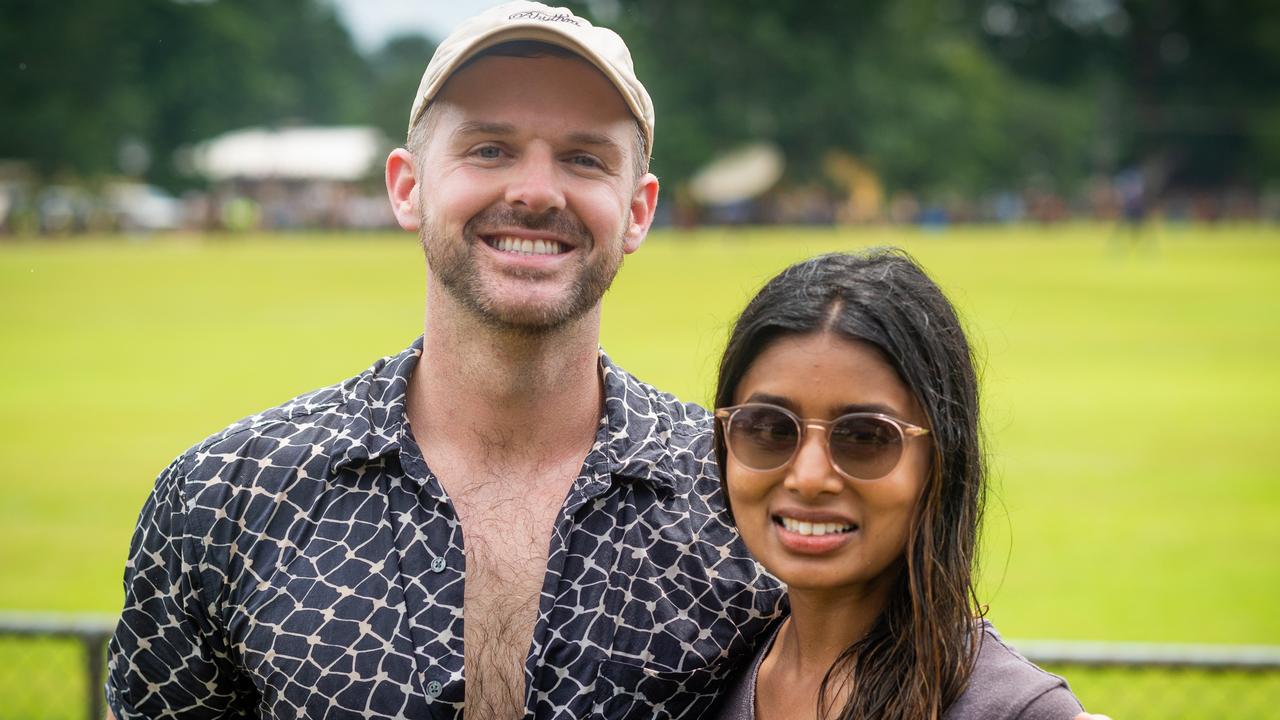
[96, 647]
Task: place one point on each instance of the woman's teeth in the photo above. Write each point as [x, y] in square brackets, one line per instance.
[527, 247]
[811, 528]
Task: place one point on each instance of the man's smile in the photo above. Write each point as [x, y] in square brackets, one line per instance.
[525, 246]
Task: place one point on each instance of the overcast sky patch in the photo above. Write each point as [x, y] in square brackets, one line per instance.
[373, 22]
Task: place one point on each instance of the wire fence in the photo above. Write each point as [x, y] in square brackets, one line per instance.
[1134, 681]
[52, 668]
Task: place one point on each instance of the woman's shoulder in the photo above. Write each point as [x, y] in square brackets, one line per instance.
[1004, 684]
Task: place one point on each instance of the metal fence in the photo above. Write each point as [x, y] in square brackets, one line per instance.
[51, 667]
[1133, 681]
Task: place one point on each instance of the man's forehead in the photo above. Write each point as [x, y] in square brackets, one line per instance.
[505, 129]
[567, 86]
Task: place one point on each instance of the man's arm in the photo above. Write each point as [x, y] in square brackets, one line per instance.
[167, 657]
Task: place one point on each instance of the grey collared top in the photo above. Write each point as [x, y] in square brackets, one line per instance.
[305, 562]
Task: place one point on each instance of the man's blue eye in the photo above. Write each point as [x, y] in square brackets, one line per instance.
[586, 161]
[489, 152]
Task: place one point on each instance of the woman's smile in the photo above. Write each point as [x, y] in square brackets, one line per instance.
[810, 533]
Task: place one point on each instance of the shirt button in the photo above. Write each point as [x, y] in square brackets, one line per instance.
[437, 565]
[434, 689]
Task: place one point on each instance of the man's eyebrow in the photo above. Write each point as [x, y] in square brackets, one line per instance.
[484, 128]
[593, 139]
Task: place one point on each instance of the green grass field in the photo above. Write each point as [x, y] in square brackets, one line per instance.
[1132, 395]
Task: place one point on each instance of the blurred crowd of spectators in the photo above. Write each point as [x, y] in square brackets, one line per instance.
[130, 207]
[1119, 199]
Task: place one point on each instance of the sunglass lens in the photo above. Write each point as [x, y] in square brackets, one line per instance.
[763, 438]
[867, 448]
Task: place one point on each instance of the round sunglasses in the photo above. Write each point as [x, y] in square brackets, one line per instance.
[860, 446]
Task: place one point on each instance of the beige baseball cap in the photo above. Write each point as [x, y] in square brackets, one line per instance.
[558, 26]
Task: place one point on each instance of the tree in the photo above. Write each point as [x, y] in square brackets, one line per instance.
[1188, 83]
[397, 70]
[83, 77]
[965, 95]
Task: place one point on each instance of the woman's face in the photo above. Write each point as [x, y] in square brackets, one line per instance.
[862, 525]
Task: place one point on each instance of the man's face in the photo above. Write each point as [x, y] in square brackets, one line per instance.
[526, 190]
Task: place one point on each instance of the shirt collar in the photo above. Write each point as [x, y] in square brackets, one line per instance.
[638, 424]
[634, 439]
[374, 403]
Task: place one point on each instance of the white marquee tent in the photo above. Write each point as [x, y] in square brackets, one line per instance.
[297, 153]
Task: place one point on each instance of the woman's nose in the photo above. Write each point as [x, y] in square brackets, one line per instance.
[811, 473]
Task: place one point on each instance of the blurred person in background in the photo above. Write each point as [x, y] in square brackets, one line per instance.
[319, 559]
[849, 449]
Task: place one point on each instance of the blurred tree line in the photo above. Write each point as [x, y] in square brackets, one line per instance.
[937, 96]
[968, 96]
[93, 87]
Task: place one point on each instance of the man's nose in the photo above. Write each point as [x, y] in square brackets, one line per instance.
[811, 473]
[536, 182]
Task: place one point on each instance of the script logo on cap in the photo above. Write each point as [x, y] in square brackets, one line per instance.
[545, 17]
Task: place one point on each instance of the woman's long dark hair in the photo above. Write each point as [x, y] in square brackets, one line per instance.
[916, 659]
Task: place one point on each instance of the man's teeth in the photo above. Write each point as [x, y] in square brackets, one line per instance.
[812, 528]
[528, 247]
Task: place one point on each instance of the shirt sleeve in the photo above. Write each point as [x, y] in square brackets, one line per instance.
[1056, 703]
[167, 657]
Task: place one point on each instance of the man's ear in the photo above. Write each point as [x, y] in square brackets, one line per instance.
[644, 201]
[402, 182]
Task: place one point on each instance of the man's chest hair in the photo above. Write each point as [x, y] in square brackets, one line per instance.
[506, 539]
[506, 534]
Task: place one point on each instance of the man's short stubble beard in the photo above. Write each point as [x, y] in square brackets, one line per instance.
[452, 263]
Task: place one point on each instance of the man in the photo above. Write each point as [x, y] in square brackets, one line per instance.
[501, 487]
[499, 503]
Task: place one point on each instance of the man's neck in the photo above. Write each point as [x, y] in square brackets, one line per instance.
[526, 400]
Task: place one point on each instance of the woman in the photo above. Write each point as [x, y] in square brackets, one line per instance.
[847, 435]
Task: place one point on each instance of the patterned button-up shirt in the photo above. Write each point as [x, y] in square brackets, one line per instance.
[305, 563]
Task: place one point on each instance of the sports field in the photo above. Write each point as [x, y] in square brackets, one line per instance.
[1132, 396]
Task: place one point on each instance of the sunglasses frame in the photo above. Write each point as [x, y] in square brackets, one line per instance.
[906, 431]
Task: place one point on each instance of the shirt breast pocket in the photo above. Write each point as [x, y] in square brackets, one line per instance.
[632, 692]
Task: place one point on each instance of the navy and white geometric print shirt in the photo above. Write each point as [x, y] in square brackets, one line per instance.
[305, 563]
